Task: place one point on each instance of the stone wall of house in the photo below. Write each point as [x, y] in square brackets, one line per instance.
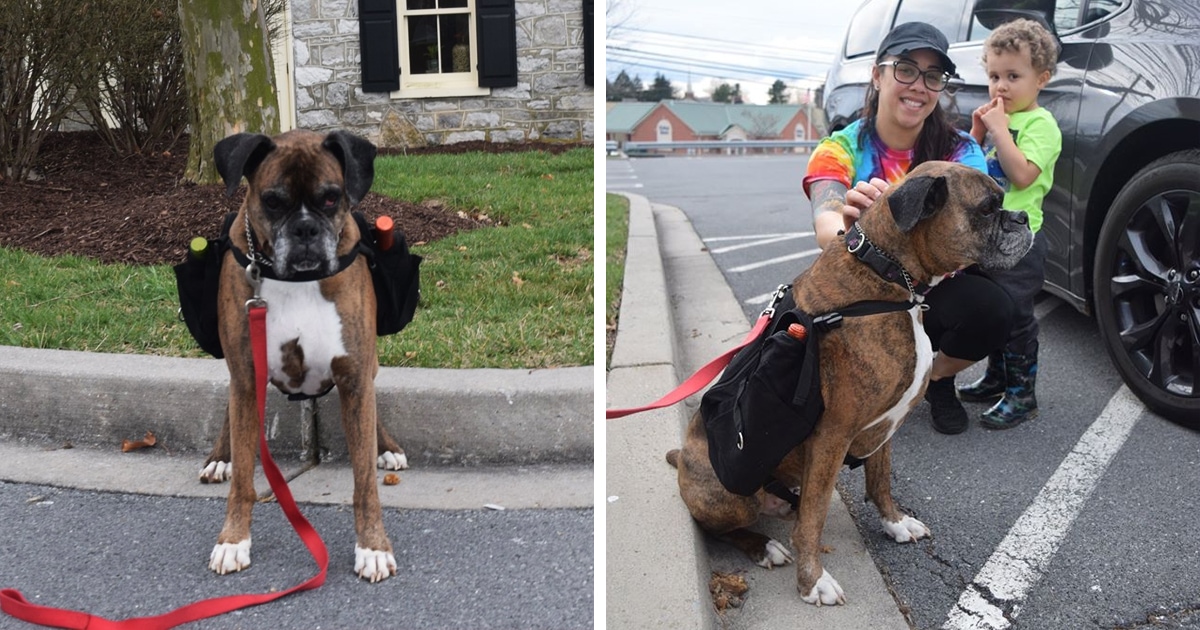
[550, 102]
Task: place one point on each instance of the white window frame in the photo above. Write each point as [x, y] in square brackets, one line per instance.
[440, 84]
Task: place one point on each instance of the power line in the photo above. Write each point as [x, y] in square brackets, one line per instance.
[820, 55]
[684, 64]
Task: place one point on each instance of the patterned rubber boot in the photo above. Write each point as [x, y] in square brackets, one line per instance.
[947, 413]
[1019, 403]
[990, 386]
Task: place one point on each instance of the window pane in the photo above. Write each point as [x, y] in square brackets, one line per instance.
[452, 4]
[423, 44]
[866, 29]
[944, 15]
[456, 42]
[416, 5]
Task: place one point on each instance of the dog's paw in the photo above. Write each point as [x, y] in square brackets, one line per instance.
[908, 529]
[826, 592]
[216, 472]
[230, 557]
[775, 555]
[392, 461]
[373, 565]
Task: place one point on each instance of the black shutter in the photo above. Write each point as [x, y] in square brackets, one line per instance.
[589, 19]
[378, 38]
[496, 26]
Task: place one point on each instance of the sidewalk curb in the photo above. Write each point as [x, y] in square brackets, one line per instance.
[440, 416]
[658, 571]
[690, 276]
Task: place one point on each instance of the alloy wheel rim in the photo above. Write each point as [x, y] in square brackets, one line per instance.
[1155, 290]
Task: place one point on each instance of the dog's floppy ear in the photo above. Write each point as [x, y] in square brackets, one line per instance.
[240, 154]
[357, 157]
[917, 198]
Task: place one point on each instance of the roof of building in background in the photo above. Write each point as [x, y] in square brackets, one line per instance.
[706, 118]
[623, 117]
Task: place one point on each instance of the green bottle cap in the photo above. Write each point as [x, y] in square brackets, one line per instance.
[198, 246]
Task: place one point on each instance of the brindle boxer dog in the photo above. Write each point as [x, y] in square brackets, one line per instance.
[941, 218]
[320, 321]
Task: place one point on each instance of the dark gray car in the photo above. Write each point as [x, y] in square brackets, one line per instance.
[1122, 221]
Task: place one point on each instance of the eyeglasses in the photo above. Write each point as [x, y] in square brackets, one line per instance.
[907, 72]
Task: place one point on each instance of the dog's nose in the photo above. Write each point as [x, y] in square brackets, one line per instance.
[305, 229]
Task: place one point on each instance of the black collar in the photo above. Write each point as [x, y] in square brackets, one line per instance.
[883, 263]
[267, 270]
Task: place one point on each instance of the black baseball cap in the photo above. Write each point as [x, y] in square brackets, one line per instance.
[915, 36]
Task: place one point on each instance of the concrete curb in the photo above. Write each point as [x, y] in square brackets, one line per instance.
[447, 417]
[651, 539]
[657, 569]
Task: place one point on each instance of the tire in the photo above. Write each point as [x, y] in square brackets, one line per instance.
[1146, 282]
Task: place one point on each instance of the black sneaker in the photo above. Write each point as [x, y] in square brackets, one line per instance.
[948, 414]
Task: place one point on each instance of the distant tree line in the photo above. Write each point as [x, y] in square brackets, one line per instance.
[627, 88]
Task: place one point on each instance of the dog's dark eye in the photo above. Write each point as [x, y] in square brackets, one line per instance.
[990, 205]
[330, 200]
[272, 202]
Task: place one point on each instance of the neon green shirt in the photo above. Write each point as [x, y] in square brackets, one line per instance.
[1037, 136]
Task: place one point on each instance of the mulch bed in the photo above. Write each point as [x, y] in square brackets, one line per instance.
[135, 209]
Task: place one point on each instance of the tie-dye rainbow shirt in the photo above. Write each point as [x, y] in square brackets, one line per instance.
[839, 158]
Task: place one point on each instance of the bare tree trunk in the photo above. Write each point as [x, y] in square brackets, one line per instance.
[229, 76]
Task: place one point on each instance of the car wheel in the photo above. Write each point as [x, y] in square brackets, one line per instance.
[1147, 286]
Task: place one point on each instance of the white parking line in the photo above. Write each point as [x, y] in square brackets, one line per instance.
[764, 240]
[774, 261]
[744, 237]
[993, 599]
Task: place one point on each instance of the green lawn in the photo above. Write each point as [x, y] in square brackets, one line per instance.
[616, 234]
[518, 295]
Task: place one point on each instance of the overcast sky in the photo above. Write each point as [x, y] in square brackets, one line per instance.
[752, 42]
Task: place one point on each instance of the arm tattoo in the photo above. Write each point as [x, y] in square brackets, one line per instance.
[827, 195]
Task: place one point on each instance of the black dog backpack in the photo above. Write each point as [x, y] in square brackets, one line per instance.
[395, 274]
[768, 399]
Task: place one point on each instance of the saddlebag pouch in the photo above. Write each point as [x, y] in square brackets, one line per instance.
[395, 272]
[198, 279]
[766, 402]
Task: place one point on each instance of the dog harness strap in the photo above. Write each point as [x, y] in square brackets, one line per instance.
[15, 604]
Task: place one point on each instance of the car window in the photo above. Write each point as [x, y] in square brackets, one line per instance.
[1099, 9]
[946, 16]
[867, 28]
[1065, 16]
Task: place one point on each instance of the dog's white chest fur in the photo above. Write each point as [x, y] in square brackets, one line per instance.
[297, 311]
[924, 351]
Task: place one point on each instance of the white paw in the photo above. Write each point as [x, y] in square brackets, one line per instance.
[908, 529]
[216, 472]
[374, 565]
[776, 555]
[392, 461]
[230, 557]
[826, 592]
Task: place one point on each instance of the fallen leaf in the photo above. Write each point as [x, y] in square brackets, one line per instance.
[146, 442]
[727, 590]
[517, 279]
[548, 176]
[391, 479]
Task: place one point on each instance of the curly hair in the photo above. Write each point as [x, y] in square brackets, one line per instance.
[1011, 36]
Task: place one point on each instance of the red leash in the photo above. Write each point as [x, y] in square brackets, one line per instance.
[702, 377]
[15, 604]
